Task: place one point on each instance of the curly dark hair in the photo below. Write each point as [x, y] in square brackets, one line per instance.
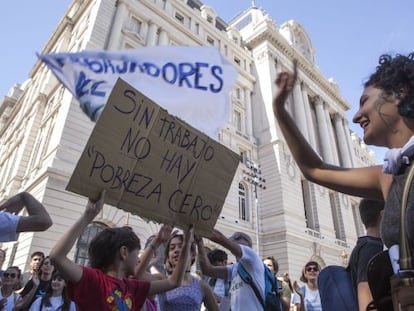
[104, 246]
[395, 76]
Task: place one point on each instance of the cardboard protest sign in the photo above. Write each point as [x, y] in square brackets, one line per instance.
[153, 164]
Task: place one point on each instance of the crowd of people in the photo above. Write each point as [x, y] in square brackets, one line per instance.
[121, 276]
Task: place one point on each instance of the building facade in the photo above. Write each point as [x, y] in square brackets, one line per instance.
[43, 131]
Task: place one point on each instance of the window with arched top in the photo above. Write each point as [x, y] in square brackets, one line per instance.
[243, 206]
[82, 245]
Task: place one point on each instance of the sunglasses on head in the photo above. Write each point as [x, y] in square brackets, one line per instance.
[309, 269]
[11, 275]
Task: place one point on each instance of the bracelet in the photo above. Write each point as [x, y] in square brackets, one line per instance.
[153, 247]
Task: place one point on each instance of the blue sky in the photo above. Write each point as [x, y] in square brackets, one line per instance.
[348, 36]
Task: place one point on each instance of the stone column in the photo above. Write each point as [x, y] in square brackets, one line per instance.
[249, 117]
[152, 34]
[116, 30]
[333, 145]
[349, 143]
[342, 140]
[299, 110]
[323, 130]
[308, 114]
[163, 37]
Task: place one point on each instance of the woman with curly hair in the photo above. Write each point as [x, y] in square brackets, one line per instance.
[55, 298]
[386, 115]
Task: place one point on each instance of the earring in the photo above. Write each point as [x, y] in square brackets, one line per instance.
[406, 109]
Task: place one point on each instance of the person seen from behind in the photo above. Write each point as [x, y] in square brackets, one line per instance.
[367, 246]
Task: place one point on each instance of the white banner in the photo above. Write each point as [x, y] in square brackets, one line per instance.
[192, 83]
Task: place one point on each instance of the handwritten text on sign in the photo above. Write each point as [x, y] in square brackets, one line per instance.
[153, 164]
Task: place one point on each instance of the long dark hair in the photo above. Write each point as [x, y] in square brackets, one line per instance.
[46, 298]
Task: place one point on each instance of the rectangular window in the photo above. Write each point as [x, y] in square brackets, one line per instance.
[337, 216]
[210, 40]
[134, 25]
[179, 17]
[237, 120]
[311, 214]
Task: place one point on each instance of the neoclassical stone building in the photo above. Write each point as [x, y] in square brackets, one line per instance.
[43, 131]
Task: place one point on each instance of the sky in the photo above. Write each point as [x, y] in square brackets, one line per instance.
[347, 36]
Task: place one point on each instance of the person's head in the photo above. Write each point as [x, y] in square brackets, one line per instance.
[46, 269]
[11, 277]
[241, 238]
[370, 211]
[387, 102]
[35, 260]
[173, 249]
[57, 288]
[2, 257]
[310, 272]
[58, 283]
[113, 245]
[286, 278]
[271, 263]
[217, 257]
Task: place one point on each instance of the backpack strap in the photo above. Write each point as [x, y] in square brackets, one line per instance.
[246, 277]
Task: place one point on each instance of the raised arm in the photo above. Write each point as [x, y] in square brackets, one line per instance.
[232, 246]
[176, 278]
[162, 236]
[70, 270]
[207, 268]
[364, 182]
[38, 218]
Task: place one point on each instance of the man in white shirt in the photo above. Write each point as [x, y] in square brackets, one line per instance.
[242, 296]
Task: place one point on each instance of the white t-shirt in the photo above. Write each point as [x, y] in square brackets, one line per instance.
[11, 300]
[241, 294]
[312, 299]
[8, 226]
[55, 302]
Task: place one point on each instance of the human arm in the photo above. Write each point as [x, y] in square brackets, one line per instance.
[176, 278]
[364, 182]
[208, 297]
[28, 293]
[364, 295]
[38, 218]
[207, 268]
[299, 297]
[70, 270]
[162, 236]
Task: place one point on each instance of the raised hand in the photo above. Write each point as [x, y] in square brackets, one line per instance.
[164, 233]
[13, 205]
[94, 207]
[285, 82]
